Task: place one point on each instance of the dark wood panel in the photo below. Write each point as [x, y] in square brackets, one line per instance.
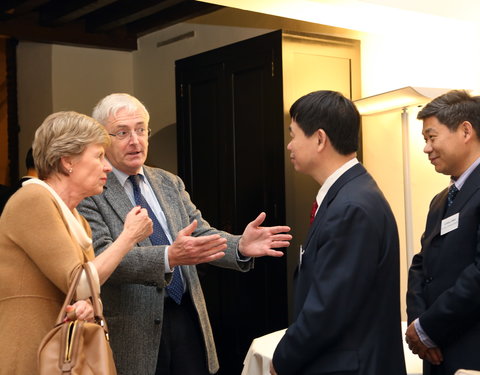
[230, 142]
[111, 24]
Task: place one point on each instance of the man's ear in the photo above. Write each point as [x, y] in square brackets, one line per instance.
[322, 138]
[467, 130]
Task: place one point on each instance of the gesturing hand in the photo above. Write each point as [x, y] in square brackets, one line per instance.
[259, 241]
[187, 249]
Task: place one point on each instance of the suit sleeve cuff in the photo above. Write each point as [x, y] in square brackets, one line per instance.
[424, 338]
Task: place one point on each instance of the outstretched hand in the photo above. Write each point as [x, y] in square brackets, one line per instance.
[188, 250]
[260, 241]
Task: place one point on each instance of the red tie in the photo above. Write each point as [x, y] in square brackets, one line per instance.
[314, 210]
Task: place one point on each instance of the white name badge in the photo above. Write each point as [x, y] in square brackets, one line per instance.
[449, 224]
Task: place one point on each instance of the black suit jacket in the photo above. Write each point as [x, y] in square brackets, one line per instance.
[444, 280]
[347, 289]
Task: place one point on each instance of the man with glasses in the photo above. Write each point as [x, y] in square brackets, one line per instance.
[153, 301]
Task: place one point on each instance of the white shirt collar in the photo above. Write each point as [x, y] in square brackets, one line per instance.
[333, 178]
[461, 180]
[122, 177]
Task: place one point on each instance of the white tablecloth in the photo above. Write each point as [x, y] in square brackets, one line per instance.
[257, 360]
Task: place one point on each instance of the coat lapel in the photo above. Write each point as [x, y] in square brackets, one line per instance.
[165, 195]
[115, 195]
[345, 178]
[438, 212]
[471, 185]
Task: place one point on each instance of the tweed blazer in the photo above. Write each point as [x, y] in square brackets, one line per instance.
[134, 295]
[38, 259]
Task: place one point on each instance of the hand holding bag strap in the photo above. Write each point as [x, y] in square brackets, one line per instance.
[97, 309]
[78, 347]
[97, 306]
[69, 297]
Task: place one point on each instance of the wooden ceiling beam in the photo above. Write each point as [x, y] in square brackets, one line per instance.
[173, 15]
[8, 5]
[27, 6]
[27, 28]
[70, 11]
[128, 13]
[110, 24]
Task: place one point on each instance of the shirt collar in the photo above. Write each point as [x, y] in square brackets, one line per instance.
[461, 180]
[333, 178]
[122, 177]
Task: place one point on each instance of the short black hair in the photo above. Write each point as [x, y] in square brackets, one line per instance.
[332, 112]
[453, 108]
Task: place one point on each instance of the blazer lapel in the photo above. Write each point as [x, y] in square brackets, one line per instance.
[345, 178]
[438, 211]
[471, 185]
[115, 195]
[165, 196]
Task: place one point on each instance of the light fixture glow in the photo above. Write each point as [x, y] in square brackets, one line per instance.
[400, 98]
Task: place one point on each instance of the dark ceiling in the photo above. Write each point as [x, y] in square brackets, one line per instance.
[111, 24]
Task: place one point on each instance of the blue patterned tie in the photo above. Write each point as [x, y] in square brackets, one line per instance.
[452, 192]
[158, 237]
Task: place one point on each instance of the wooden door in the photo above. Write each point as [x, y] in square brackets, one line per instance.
[231, 157]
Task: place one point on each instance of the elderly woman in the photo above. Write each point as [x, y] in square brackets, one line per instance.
[43, 239]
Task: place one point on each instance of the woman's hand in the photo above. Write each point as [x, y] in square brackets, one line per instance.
[80, 310]
[138, 225]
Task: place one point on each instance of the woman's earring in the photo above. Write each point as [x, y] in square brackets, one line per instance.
[70, 170]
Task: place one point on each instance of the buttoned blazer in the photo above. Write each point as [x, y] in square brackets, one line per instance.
[347, 299]
[134, 295]
[444, 279]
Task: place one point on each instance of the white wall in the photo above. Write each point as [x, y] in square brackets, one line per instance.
[55, 78]
[82, 76]
[404, 43]
[441, 54]
[34, 77]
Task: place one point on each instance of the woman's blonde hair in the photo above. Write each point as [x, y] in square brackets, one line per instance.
[64, 134]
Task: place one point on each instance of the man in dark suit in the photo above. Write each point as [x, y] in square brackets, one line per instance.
[347, 284]
[443, 298]
[156, 328]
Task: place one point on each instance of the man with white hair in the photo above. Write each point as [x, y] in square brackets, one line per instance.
[154, 303]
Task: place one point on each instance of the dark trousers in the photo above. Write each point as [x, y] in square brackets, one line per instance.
[182, 350]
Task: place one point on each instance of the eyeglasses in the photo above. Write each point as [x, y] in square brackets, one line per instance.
[124, 134]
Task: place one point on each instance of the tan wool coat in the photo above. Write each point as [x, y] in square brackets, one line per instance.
[38, 257]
